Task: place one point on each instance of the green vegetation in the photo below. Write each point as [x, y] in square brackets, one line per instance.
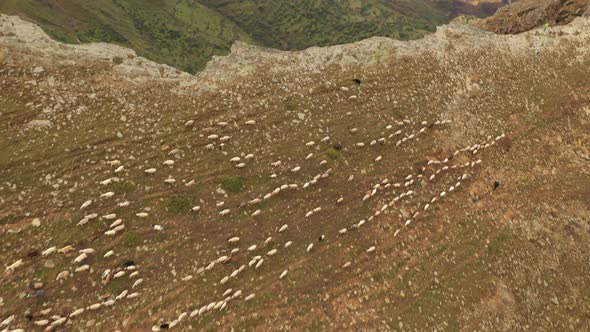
[233, 184]
[122, 187]
[179, 205]
[182, 33]
[130, 239]
[187, 33]
[333, 153]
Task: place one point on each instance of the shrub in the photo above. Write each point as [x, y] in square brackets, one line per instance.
[179, 204]
[232, 183]
[333, 153]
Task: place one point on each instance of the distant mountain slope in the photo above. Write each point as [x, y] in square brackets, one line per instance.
[187, 33]
[182, 33]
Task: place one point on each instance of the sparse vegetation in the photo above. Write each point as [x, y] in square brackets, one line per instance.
[333, 153]
[232, 184]
[178, 204]
[130, 239]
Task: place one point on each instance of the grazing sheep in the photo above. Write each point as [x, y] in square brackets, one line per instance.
[169, 163]
[371, 249]
[283, 228]
[260, 261]
[150, 171]
[342, 231]
[310, 143]
[196, 208]
[107, 194]
[296, 169]
[288, 244]
[82, 268]
[158, 228]
[309, 247]
[249, 297]
[86, 204]
[109, 254]
[268, 239]
[49, 251]
[252, 247]
[224, 212]
[14, 265]
[250, 122]
[256, 213]
[233, 239]
[80, 258]
[271, 252]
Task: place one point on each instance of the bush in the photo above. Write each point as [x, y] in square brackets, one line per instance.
[179, 205]
[232, 183]
[130, 239]
[333, 153]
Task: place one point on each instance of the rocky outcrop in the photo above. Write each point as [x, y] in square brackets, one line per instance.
[528, 14]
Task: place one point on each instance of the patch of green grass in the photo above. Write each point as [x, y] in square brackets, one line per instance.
[333, 153]
[178, 204]
[233, 184]
[496, 244]
[130, 239]
[122, 187]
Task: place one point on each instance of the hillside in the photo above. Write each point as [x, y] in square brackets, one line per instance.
[437, 184]
[528, 14]
[187, 33]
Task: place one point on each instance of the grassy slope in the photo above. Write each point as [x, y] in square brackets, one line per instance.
[186, 33]
[182, 33]
[290, 25]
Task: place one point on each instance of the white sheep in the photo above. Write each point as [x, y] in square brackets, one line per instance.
[80, 258]
[252, 247]
[296, 169]
[158, 228]
[260, 261]
[249, 297]
[82, 268]
[250, 122]
[288, 244]
[309, 247]
[371, 249]
[224, 212]
[86, 204]
[283, 228]
[256, 213]
[49, 251]
[233, 239]
[122, 295]
[107, 194]
[283, 274]
[15, 265]
[109, 254]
